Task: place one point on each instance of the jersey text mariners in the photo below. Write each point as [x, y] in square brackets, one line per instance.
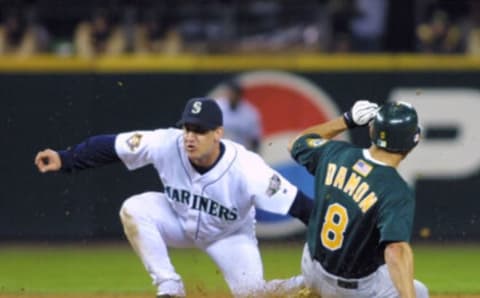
[201, 203]
[214, 203]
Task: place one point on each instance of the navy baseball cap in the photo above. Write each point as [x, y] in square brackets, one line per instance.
[203, 112]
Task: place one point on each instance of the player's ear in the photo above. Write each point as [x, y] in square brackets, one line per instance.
[219, 131]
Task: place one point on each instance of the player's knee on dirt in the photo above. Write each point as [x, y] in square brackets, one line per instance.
[420, 289]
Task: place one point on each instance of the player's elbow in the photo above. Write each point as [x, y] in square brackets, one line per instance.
[396, 252]
[301, 207]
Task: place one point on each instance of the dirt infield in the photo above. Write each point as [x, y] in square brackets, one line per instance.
[152, 296]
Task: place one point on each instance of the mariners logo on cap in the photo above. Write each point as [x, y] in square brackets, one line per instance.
[196, 107]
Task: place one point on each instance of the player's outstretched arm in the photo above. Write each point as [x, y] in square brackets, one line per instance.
[94, 152]
[399, 259]
[48, 160]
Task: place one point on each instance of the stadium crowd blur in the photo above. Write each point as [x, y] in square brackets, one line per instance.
[90, 28]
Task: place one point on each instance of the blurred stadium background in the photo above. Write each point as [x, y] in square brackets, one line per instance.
[70, 69]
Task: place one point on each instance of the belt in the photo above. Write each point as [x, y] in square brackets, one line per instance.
[342, 283]
[347, 284]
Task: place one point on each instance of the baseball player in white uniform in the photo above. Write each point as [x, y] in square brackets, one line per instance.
[211, 188]
[242, 121]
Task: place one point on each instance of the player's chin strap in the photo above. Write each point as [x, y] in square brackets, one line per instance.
[301, 207]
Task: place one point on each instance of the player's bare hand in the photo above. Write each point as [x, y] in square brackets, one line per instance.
[48, 160]
[361, 113]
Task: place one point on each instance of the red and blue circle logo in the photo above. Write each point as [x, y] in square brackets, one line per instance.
[287, 104]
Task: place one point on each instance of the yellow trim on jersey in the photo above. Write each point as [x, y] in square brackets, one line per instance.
[315, 142]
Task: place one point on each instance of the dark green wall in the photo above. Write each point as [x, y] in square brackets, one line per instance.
[57, 110]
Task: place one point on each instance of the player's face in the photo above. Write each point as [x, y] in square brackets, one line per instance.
[202, 145]
[233, 96]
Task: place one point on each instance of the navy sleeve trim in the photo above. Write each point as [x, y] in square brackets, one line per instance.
[93, 152]
[302, 207]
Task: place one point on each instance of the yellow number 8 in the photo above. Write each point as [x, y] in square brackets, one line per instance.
[334, 225]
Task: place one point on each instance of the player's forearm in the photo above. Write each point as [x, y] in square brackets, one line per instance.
[94, 152]
[327, 130]
[399, 259]
[301, 207]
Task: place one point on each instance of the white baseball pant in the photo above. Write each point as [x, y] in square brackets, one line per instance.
[152, 226]
[376, 285]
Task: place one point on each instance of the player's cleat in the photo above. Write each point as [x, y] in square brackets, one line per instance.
[167, 296]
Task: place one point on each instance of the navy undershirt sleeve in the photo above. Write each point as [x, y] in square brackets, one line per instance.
[94, 152]
[302, 207]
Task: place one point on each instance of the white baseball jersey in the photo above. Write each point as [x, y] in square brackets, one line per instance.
[242, 124]
[218, 202]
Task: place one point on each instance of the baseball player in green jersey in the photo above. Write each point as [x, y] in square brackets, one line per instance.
[359, 230]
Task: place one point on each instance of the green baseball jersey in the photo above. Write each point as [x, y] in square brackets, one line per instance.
[360, 205]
